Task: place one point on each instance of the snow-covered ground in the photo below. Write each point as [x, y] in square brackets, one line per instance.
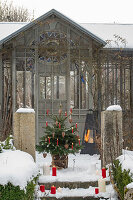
[17, 167]
[81, 168]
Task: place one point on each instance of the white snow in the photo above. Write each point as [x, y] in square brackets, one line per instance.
[106, 31]
[114, 107]
[130, 185]
[79, 169]
[80, 192]
[25, 110]
[127, 160]
[7, 28]
[17, 167]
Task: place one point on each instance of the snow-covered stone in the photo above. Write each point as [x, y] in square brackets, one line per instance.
[115, 108]
[25, 110]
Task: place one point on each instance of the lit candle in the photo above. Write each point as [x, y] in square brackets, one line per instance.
[96, 190]
[49, 140]
[53, 171]
[46, 123]
[76, 125]
[101, 185]
[57, 142]
[72, 129]
[47, 111]
[66, 114]
[103, 172]
[79, 141]
[46, 169]
[59, 125]
[72, 145]
[59, 190]
[42, 188]
[53, 189]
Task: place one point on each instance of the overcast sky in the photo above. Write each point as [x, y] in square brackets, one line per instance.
[110, 11]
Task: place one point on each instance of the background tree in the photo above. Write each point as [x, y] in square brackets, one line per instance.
[12, 13]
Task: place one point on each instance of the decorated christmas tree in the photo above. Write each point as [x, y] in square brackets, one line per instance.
[60, 140]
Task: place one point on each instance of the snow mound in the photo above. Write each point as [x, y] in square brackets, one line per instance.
[114, 107]
[17, 167]
[130, 185]
[25, 110]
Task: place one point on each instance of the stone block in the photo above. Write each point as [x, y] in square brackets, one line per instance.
[111, 135]
[24, 132]
[128, 194]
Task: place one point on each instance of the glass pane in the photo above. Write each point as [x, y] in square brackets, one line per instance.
[62, 86]
[59, 87]
[28, 95]
[20, 89]
[74, 89]
[45, 87]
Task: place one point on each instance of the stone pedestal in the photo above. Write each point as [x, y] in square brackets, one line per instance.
[111, 135]
[24, 131]
[128, 194]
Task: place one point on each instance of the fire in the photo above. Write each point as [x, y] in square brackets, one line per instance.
[87, 136]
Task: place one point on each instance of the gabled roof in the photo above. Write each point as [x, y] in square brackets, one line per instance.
[58, 14]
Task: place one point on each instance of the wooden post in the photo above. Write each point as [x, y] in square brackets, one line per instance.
[68, 71]
[36, 84]
[14, 80]
[1, 95]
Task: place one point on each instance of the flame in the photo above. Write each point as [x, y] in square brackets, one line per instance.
[87, 136]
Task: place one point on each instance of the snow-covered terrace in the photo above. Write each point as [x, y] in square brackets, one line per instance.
[105, 31]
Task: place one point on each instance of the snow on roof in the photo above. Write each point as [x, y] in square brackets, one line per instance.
[7, 28]
[105, 31]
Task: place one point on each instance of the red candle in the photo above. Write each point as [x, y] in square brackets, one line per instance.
[53, 171]
[70, 110]
[72, 145]
[76, 125]
[72, 129]
[79, 141]
[103, 172]
[46, 123]
[53, 190]
[49, 140]
[57, 141]
[59, 125]
[96, 190]
[47, 111]
[42, 188]
[66, 114]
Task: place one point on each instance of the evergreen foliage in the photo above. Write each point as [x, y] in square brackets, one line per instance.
[11, 192]
[68, 142]
[121, 177]
[7, 144]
